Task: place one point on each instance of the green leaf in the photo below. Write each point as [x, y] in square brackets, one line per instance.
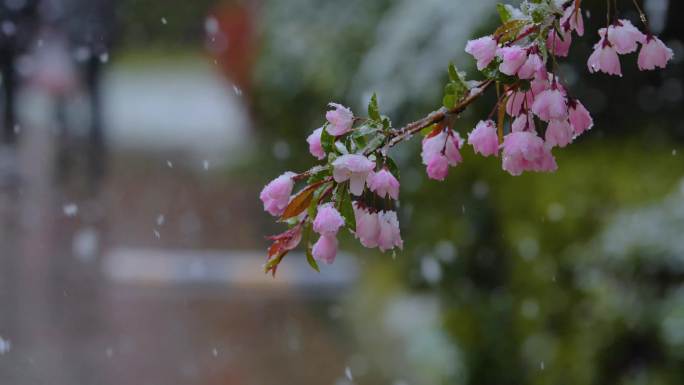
[327, 141]
[311, 260]
[449, 101]
[373, 110]
[386, 123]
[504, 13]
[374, 143]
[319, 175]
[364, 130]
[313, 206]
[306, 239]
[344, 205]
[427, 130]
[392, 167]
[453, 73]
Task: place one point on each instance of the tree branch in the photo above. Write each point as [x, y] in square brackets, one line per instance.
[399, 135]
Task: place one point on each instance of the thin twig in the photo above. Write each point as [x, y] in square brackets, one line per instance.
[401, 134]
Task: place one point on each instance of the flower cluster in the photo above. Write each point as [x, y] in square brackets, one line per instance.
[621, 38]
[357, 185]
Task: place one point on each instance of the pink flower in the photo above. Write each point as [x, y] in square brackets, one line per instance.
[340, 118]
[483, 50]
[383, 183]
[325, 249]
[355, 169]
[328, 220]
[624, 36]
[580, 119]
[547, 163]
[531, 67]
[550, 105]
[432, 146]
[604, 59]
[654, 54]
[513, 58]
[484, 138]
[519, 101]
[572, 20]
[542, 82]
[314, 141]
[438, 167]
[276, 194]
[390, 236]
[559, 45]
[559, 133]
[440, 151]
[524, 122]
[525, 151]
[367, 226]
[452, 147]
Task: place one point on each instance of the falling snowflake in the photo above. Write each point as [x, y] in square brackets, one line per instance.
[70, 209]
[5, 346]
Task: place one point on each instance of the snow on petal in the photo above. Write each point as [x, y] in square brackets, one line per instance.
[325, 249]
[512, 58]
[654, 54]
[384, 184]
[580, 118]
[352, 167]
[550, 105]
[340, 119]
[483, 50]
[314, 141]
[484, 138]
[390, 235]
[328, 220]
[276, 194]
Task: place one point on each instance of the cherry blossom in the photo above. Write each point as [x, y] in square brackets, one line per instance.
[550, 105]
[525, 151]
[512, 58]
[353, 168]
[483, 50]
[536, 112]
[325, 249]
[484, 138]
[624, 36]
[654, 54]
[604, 59]
[340, 118]
[559, 133]
[383, 183]
[531, 67]
[314, 141]
[559, 45]
[580, 118]
[572, 20]
[276, 195]
[328, 220]
[367, 226]
[389, 236]
[524, 122]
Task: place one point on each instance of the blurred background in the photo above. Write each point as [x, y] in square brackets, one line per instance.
[137, 134]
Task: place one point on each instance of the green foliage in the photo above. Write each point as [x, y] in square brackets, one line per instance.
[373, 110]
[344, 206]
[504, 12]
[455, 89]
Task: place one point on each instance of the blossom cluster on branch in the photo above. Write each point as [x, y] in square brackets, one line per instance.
[356, 186]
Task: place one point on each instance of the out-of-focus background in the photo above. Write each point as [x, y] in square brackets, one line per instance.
[137, 134]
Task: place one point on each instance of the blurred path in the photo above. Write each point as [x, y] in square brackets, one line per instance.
[155, 279]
